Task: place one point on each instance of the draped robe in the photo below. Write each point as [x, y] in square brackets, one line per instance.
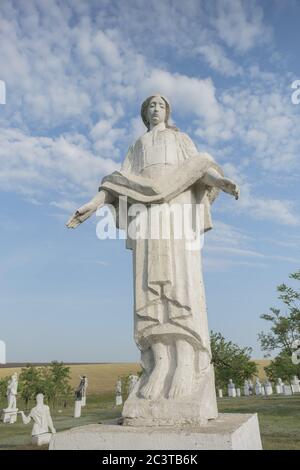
[164, 167]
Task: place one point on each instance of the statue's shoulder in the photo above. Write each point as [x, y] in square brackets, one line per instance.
[185, 138]
[141, 139]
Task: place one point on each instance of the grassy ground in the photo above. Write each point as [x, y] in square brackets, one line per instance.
[279, 419]
[99, 408]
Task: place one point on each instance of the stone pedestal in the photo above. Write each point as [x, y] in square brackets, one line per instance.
[195, 409]
[9, 416]
[227, 432]
[77, 409]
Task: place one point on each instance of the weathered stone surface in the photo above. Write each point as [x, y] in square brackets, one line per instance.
[228, 432]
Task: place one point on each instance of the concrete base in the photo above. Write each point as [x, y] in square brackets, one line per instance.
[77, 409]
[227, 432]
[9, 416]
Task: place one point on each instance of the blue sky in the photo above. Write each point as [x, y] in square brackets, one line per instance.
[76, 73]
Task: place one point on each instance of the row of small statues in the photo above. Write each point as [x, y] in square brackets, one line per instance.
[40, 414]
[263, 389]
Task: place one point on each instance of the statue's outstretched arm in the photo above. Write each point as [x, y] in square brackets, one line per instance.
[213, 178]
[25, 419]
[84, 212]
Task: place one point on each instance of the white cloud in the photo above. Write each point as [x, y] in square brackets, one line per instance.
[76, 75]
[64, 205]
[236, 251]
[225, 264]
[240, 24]
[33, 165]
[217, 59]
[280, 211]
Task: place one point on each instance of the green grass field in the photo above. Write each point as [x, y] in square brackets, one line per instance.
[279, 419]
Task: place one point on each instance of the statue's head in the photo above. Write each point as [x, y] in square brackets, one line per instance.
[39, 399]
[15, 376]
[155, 109]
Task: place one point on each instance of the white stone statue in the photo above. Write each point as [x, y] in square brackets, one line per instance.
[119, 399]
[268, 388]
[81, 390]
[163, 170]
[41, 417]
[250, 386]
[133, 380]
[279, 387]
[80, 396]
[231, 389]
[295, 384]
[258, 387]
[9, 414]
[287, 389]
[12, 391]
[246, 388]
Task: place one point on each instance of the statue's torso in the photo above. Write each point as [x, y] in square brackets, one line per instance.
[157, 153]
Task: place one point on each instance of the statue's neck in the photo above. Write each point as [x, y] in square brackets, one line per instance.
[160, 126]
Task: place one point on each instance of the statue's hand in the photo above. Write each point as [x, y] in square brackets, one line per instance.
[229, 187]
[80, 215]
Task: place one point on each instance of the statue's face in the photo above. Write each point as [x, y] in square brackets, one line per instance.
[40, 399]
[156, 111]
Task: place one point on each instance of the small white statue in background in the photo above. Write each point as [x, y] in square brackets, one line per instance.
[81, 390]
[295, 384]
[258, 387]
[268, 388]
[231, 389]
[9, 414]
[119, 399]
[246, 388]
[40, 414]
[279, 387]
[12, 390]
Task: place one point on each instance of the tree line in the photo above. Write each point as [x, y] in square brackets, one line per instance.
[51, 380]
